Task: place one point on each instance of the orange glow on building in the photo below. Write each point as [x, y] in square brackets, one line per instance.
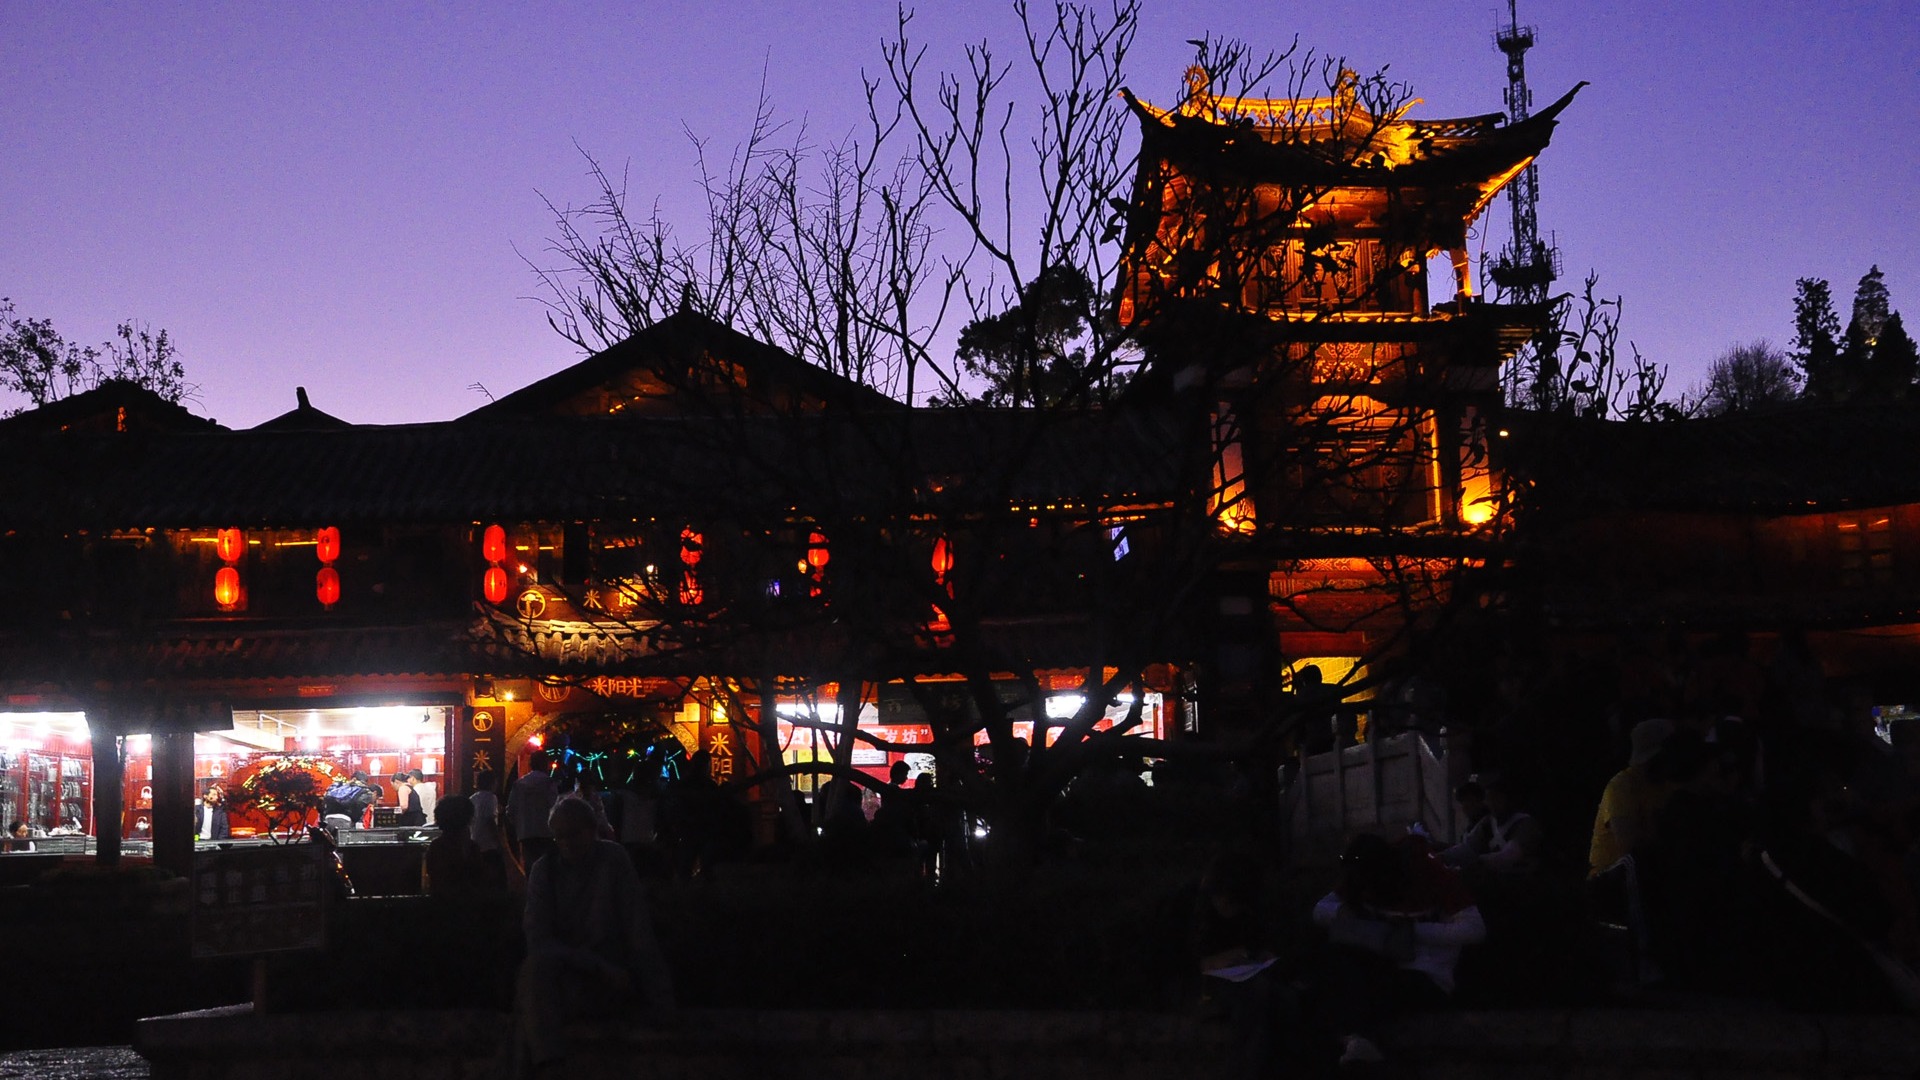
[1229, 503]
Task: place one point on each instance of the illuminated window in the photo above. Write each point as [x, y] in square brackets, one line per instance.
[1865, 546]
[1364, 465]
[1477, 505]
[1229, 502]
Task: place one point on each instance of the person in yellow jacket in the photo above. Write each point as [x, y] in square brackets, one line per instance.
[1631, 803]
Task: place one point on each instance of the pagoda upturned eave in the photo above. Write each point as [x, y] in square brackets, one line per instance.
[1474, 152]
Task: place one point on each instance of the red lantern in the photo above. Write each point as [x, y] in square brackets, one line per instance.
[942, 558]
[493, 544]
[326, 586]
[495, 585]
[692, 546]
[230, 544]
[226, 586]
[817, 554]
[326, 544]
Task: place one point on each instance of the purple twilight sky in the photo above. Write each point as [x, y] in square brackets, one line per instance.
[338, 195]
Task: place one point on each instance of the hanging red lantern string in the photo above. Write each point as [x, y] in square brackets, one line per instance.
[326, 586]
[226, 587]
[326, 583]
[942, 566]
[494, 585]
[493, 547]
[942, 560]
[818, 556]
[230, 545]
[326, 544]
[691, 594]
[693, 545]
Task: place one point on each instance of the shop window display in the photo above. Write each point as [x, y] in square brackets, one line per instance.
[246, 766]
[46, 772]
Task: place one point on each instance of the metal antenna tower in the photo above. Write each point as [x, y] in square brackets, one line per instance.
[1525, 268]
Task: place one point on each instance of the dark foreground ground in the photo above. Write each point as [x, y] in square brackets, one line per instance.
[74, 1063]
[1098, 928]
[1598, 1044]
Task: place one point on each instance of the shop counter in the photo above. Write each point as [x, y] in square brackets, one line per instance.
[381, 862]
[24, 867]
[385, 862]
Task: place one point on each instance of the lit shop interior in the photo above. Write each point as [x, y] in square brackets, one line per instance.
[46, 773]
[807, 731]
[46, 762]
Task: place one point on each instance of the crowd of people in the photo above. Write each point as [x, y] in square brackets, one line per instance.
[1713, 838]
[1757, 844]
[573, 854]
[1728, 855]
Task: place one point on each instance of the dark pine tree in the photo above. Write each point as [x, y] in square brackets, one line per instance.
[1816, 339]
[1871, 308]
[1895, 360]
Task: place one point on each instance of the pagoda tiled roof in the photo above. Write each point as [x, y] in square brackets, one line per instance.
[1357, 150]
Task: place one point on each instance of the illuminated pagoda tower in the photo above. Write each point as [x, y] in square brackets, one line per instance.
[1276, 275]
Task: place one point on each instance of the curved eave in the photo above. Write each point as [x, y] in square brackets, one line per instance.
[1485, 161]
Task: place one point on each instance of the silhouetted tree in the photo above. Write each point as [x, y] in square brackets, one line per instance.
[1035, 353]
[1870, 310]
[1746, 377]
[1894, 362]
[40, 364]
[1816, 339]
[1574, 366]
[1029, 172]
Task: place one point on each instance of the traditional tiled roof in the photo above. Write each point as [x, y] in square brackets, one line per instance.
[251, 652]
[302, 417]
[491, 644]
[1797, 459]
[115, 406]
[675, 350]
[580, 469]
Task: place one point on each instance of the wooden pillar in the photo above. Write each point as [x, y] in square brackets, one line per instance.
[173, 799]
[109, 784]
